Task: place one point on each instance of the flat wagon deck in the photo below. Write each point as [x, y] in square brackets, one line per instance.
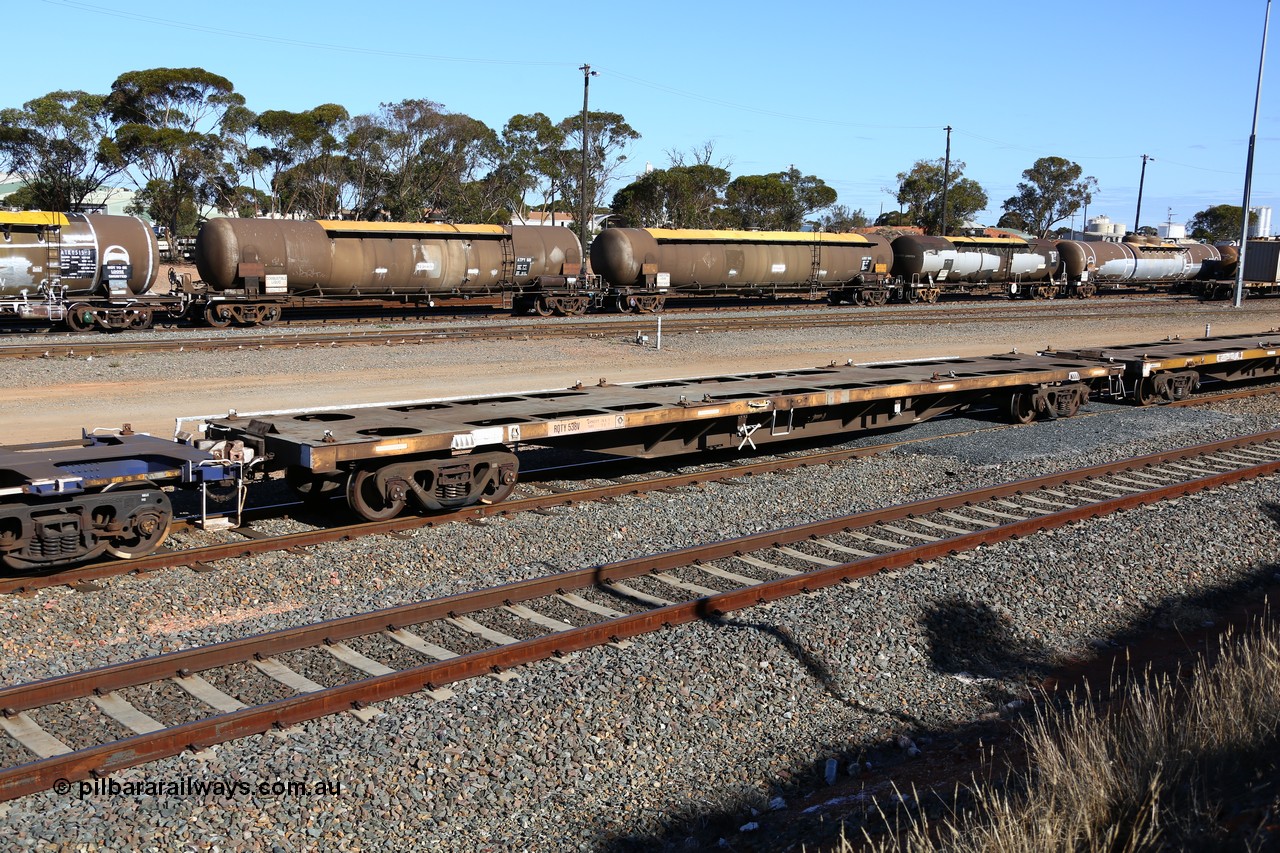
[447, 453]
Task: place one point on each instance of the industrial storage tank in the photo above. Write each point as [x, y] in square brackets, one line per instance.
[1117, 263]
[973, 260]
[84, 253]
[340, 258]
[690, 261]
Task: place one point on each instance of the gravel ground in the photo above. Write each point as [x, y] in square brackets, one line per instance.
[685, 735]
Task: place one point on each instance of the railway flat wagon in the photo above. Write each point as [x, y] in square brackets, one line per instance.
[452, 453]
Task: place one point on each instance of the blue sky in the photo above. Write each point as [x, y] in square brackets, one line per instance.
[853, 92]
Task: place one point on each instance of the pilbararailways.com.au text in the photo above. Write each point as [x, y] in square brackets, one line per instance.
[193, 787]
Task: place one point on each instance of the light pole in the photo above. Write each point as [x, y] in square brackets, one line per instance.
[1137, 216]
[946, 178]
[583, 222]
[1248, 169]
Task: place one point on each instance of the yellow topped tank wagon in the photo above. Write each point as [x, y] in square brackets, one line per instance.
[643, 266]
[83, 270]
[254, 267]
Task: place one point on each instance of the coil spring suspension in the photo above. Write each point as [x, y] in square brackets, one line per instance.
[451, 490]
[60, 539]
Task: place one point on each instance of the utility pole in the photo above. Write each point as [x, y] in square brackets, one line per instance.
[946, 179]
[1137, 216]
[584, 221]
[1248, 169]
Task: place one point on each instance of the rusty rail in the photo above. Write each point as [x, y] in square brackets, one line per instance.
[80, 347]
[106, 758]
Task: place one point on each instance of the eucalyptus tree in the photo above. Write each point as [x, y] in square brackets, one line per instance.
[608, 140]
[173, 131]
[1050, 192]
[62, 147]
[920, 191]
[426, 156]
[302, 162]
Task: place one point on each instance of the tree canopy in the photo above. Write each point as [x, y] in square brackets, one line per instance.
[1220, 223]
[779, 201]
[62, 146]
[1050, 191]
[920, 191]
[171, 129]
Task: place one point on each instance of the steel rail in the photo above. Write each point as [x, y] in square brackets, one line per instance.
[83, 347]
[250, 547]
[139, 749]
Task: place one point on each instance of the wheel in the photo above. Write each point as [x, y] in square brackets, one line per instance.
[368, 499]
[143, 319]
[218, 316]
[1020, 410]
[269, 315]
[314, 489]
[499, 491]
[543, 307]
[79, 317]
[913, 296]
[1145, 394]
[146, 526]
[622, 303]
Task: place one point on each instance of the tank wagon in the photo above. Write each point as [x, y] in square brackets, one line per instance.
[64, 503]
[643, 266]
[1149, 262]
[252, 268]
[925, 266]
[84, 270]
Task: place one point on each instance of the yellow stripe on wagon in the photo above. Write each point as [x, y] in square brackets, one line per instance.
[693, 235]
[34, 217]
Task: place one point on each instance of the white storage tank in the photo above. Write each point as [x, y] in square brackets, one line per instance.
[1261, 227]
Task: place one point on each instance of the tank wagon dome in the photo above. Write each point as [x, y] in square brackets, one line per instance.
[94, 253]
[696, 258]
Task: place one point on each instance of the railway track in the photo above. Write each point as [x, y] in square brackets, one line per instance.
[488, 311]
[201, 558]
[458, 637]
[83, 346]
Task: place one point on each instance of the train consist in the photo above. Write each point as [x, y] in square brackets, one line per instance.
[61, 504]
[91, 271]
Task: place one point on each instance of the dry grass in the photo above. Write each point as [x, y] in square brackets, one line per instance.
[1188, 763]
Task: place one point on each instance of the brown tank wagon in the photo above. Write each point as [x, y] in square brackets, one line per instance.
[642, 266]
[423, 261]
[1008, 266]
